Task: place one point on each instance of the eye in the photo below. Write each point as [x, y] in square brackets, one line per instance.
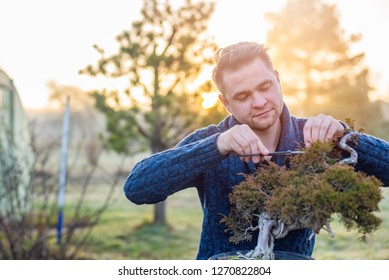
[241, 96]
[265, 86]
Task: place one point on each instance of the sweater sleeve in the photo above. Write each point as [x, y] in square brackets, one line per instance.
[373, 157]
[160, 175]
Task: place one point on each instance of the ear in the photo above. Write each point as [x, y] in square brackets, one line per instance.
[224, 100]
[277, 75]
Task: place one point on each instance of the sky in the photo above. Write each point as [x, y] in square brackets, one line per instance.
[51, 40]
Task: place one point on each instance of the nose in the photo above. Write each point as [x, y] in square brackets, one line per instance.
[259, 100]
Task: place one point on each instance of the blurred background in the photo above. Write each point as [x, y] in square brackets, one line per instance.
[137, 76]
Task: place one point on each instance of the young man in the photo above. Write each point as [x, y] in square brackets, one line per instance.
[259, 123]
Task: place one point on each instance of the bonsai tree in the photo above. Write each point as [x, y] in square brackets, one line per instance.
[318, 184]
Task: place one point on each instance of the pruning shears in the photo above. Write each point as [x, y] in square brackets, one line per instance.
[277, 153]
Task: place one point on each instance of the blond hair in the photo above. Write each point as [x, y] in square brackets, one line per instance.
[236, 55]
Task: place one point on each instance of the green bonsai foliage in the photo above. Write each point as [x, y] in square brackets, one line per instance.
[306, 195]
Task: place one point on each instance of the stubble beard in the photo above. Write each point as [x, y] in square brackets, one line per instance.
[261, 125]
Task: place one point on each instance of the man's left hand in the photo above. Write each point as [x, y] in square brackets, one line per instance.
[321, 128]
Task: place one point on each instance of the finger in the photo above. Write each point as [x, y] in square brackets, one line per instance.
[238, 144]
[324, 129]
[254, 146]
[251, 144]
[317, 124]
[307, 132]
[334, 130]
[260, 150]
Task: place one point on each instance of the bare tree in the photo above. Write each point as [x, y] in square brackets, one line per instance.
[31, 233]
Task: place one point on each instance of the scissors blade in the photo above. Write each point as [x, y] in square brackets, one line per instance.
[277, 153]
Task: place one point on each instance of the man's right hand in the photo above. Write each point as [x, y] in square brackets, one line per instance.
[241, 140]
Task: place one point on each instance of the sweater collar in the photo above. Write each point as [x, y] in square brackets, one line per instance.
[288, 138]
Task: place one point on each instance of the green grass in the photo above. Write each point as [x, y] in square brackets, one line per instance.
[125, 232]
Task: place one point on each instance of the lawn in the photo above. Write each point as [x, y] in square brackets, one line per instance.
[125, 230]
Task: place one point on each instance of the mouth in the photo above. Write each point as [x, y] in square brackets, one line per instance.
[262, 114]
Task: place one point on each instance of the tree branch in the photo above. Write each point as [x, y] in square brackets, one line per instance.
[169, 43]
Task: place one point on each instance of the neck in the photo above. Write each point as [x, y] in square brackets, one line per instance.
[270, 136]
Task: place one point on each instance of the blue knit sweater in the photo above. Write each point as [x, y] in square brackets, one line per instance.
[197, 162]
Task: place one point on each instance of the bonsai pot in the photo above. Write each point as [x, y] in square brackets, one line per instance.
[279, 255]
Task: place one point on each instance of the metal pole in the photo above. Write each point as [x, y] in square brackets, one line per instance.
[63, 168]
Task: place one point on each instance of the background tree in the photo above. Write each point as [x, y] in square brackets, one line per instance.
[161, 56]
[317, 65]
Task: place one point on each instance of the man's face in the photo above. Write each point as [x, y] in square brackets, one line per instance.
[253, 95]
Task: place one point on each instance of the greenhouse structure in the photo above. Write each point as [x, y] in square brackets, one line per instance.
[16, 156]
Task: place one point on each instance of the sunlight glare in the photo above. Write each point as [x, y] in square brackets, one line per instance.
[209, 99]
